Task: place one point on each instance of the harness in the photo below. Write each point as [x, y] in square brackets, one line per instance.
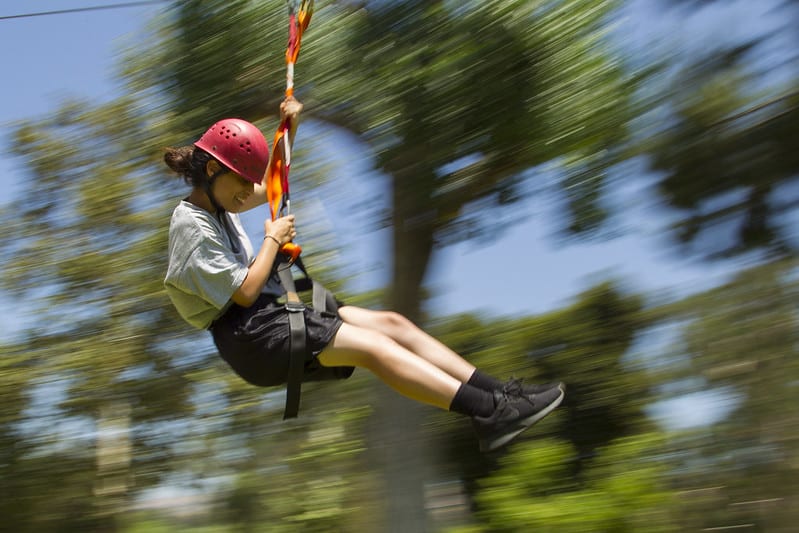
[322, 301]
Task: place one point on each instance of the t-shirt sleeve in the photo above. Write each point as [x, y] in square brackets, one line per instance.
[213, 273]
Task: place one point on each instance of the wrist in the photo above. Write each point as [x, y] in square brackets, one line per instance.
[267, 236]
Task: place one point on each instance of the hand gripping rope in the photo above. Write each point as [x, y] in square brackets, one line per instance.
[277, 186]
[277, 193]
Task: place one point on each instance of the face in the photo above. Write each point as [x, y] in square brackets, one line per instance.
[231, 191]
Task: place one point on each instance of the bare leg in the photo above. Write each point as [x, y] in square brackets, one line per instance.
[407, 334]
[395, 365]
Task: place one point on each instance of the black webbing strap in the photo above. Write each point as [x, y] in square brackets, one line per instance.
[323, 301]
[297, 342]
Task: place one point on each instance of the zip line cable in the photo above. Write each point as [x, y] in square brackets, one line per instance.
[83, 9]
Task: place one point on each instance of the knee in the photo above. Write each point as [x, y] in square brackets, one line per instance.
[393, 322]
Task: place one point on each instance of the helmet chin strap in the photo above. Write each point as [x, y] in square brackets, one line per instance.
[207, 188]
[220, 211]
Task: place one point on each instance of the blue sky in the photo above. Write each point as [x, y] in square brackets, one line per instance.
[68, 55]
[48, 59]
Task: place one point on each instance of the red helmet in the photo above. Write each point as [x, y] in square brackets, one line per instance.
[239, 145]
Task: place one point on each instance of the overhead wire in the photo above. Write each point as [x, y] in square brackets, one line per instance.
[83, 9]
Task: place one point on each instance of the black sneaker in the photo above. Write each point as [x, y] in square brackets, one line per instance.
[513, 414]
[518, 387]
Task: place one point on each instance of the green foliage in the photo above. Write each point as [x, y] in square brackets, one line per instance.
[217, 59]
[624, 489]
[583, 345]
[488, 90]
[30, 459]
[727, 158]
[86, 255]
[742, 340]
[304, 476]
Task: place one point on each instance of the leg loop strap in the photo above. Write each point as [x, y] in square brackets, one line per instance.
[323, 301]
[298, 347]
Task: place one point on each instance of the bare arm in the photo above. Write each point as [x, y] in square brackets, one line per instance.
[278, 233]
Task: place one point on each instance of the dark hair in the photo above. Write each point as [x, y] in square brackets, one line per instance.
[189, 162]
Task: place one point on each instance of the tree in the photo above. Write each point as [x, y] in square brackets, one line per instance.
[15, 498]
[728, 160]
[741, 339]
[725, 156]
[86, 255]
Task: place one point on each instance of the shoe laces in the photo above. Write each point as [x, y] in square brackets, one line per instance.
[513, 387]
[512, 392]
[501, 399]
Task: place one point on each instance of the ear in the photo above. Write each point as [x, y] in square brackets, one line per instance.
[212, 167]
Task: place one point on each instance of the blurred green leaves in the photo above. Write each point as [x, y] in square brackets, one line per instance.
[623, 490]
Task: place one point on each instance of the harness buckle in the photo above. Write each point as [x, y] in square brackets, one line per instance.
[295, 307]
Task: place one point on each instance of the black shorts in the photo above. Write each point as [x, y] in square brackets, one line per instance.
[254, 341]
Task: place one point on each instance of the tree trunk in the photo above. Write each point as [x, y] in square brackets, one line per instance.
[403, 458]
[113, 458]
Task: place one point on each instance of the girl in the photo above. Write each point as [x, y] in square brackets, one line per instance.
[217, 281]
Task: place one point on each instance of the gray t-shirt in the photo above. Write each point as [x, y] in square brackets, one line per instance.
[204, 270]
